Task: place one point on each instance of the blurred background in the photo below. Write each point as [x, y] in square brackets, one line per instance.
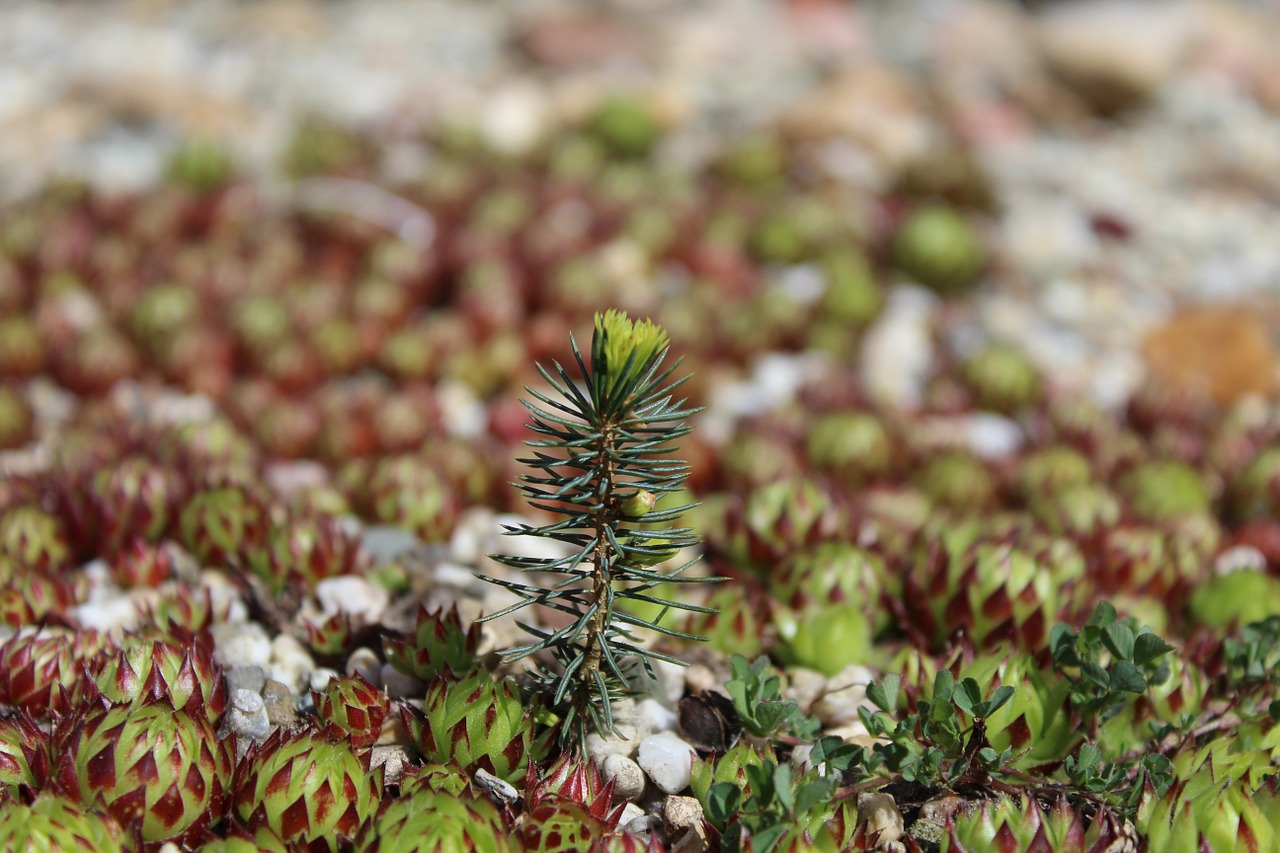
[248, 199]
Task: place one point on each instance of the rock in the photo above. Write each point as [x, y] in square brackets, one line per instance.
[320, 677]
[290, 662]
[515, 118]
[627, 777]
[245, 678]
[667, 760]
[365, 662]
[634, 820]
[279, 703]
[1115, 53]
[247, 717]
[392, 760]
[681, 813]
[654, 716]
[1223, 352]
[897, 351]
[354, 595]
[108, 614]
[384, 543]
[398, 685]
[804, 685]
[844, 693]
[879, 818]
[579, 38]
[931, 825]
[241, 644]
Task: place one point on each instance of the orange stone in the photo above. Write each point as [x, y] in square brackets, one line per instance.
[1223, 352]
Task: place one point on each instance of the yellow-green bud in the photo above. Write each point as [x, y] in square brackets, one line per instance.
[638, 504]
[617, 336]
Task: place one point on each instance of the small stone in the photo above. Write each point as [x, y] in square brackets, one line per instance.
[804, 685]
[626, 775]
[364, 662]
[1223, 352]
[279, 703]
[655, 716]
[354, 595]
[247, 717]
[624, 742]
[119, 613]
[320, 677]
[681, 813]
[498, 790]
[844, 693]
[245, 678]
[392, 760]
[667, 760]
[241, 644]
[290, 662]
[384, 543]
[399, 685]
[634, 820]
[879, 818]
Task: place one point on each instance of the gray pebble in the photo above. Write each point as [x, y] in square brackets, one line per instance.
[246, 678]
[247, 717]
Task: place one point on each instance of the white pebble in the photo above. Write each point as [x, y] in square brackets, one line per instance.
[108, 614]
[354, 595]
[241, 644]
[655, 716]
[320, 677]
[667, 760]
[993, 436]
[364, 662]
[626, 775]
[398, 685]
[290, 663]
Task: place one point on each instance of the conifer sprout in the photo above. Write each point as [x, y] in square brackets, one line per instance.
[602, 464]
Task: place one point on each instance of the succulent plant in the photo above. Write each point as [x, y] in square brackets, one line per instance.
[131, 501]
[428, 820]
[1002, 379]
[58, 825]
[1022, 826]
[854, 446]
[624, 126]
[939, 248]
[24, 755]
[439, 645]
[1036, 723]
[304, 550]
[1043, 472]
[1255, 493]
[334, 637]
[958, 481]
[1159, 490]
[474, 722]
[1078, 510]
[141, 564]
[221, 523]
[736, 623]
[776, 520]
[310, 788]
[1236, 598]
[408, 491]
[145, 670]
[354, 706]
[33, 539]
[17, 420]
[995, 592]
[823, 637]
[150, 766]
[44, 673]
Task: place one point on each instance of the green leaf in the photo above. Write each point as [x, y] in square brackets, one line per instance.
[1147, 647]
[1103, 615]
[1125, 676]
[1096, 674]
[723, 800]
[967, 695]
[1118, 639]
[884, 693]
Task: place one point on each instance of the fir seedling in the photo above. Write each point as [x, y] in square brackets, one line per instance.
[602, 464]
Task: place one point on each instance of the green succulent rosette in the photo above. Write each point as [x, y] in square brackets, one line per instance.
[1163, 489]
[45, 674]
[152, 767]
[938, 248]
[1236, 598]
[220, 523]
[853, 446]
[309, 787]
[54, 824]
[438, 644]
[305, 550]
[476, 723]
[428, 820]
[24, 755]
[1213, 805]
[1002, 379]
[32, 539]
[146, 670]
[354, 706]
[1023, 826]
[409, 491]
